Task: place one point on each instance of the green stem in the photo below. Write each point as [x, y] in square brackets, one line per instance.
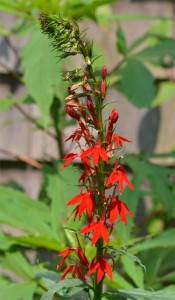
[100, 175]
[98, 286]
[101, 188]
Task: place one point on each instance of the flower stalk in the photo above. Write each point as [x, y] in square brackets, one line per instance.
[97, 143]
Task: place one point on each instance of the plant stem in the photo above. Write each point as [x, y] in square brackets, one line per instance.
[98, 286]
[101, 188]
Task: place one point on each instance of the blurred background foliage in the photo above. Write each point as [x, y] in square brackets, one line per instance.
[39, 224]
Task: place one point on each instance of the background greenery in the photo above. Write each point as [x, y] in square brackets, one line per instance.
[149, 241]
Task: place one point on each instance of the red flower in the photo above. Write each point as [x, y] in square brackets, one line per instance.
[100, 231]
[76, 270]
[98, 154]
[66, 252]
[75, 136]
[68, 158]
[119, 175]
[86, 203]
[117, 207]
[119, 140]
[102, 266]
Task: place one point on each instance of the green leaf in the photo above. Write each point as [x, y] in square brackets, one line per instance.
[20, 211]
[139, 41]
[42, 71]
[38, 241]
[17, 291]
[139, 294]
[135, 272]
[67, 283]
[137, 84]
[121, 41]
[158, 177]
[131, 197]
[61, 187]
[18, 264]
[5, 244]
[5, 104]
[166, 91]
[163, 240]
[160, 54]
[118, 281]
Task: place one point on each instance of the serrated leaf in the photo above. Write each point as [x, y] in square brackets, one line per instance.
[121, 41]
[67, 283]
[137, 84]
[139, 294]
[42, 71]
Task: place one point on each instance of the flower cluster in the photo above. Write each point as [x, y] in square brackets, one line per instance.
[98, 199]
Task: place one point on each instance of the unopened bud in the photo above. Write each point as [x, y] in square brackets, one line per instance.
[76, 86]
[113, 116]
[72, 113]
[103, 88]
[97, 92]
[103, 72]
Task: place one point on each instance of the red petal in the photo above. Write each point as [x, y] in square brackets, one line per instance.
[89, 227]
[128, 182]
[96, 156]
[67, 270]
[104, 233]
[87, 152]
[65, 251]
[100, 274]
[96, 235]
[103, 154]
[75, 199]
[113, 211]
[93, 267]
[108, 269]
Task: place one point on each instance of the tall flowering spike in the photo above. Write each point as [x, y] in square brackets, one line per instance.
[95, 143]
